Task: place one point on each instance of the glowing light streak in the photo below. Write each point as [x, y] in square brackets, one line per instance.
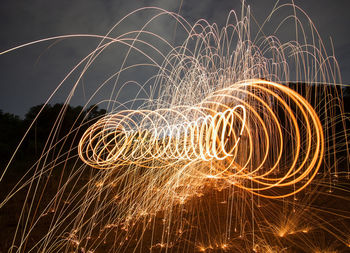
[211, 131]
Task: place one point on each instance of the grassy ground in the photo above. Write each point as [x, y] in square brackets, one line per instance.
[216, 221]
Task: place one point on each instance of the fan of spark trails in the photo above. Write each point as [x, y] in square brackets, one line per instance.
[234, 111]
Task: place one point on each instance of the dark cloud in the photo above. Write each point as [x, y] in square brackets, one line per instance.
[29, 75]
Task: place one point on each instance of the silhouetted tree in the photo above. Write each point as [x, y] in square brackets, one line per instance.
[11, 131]
[59, 122]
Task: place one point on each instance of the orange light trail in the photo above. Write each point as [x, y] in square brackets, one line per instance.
[212, 132]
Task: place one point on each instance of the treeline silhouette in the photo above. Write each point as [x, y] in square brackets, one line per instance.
[44, 125]
[65, 124]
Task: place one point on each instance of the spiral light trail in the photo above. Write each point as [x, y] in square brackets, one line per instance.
[167, 138]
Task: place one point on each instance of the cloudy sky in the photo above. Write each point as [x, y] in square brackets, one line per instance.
[29, 75]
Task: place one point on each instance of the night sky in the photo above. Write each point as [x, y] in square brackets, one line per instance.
[29, 75]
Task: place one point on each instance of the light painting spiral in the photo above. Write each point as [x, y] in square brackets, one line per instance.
[211, 132]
